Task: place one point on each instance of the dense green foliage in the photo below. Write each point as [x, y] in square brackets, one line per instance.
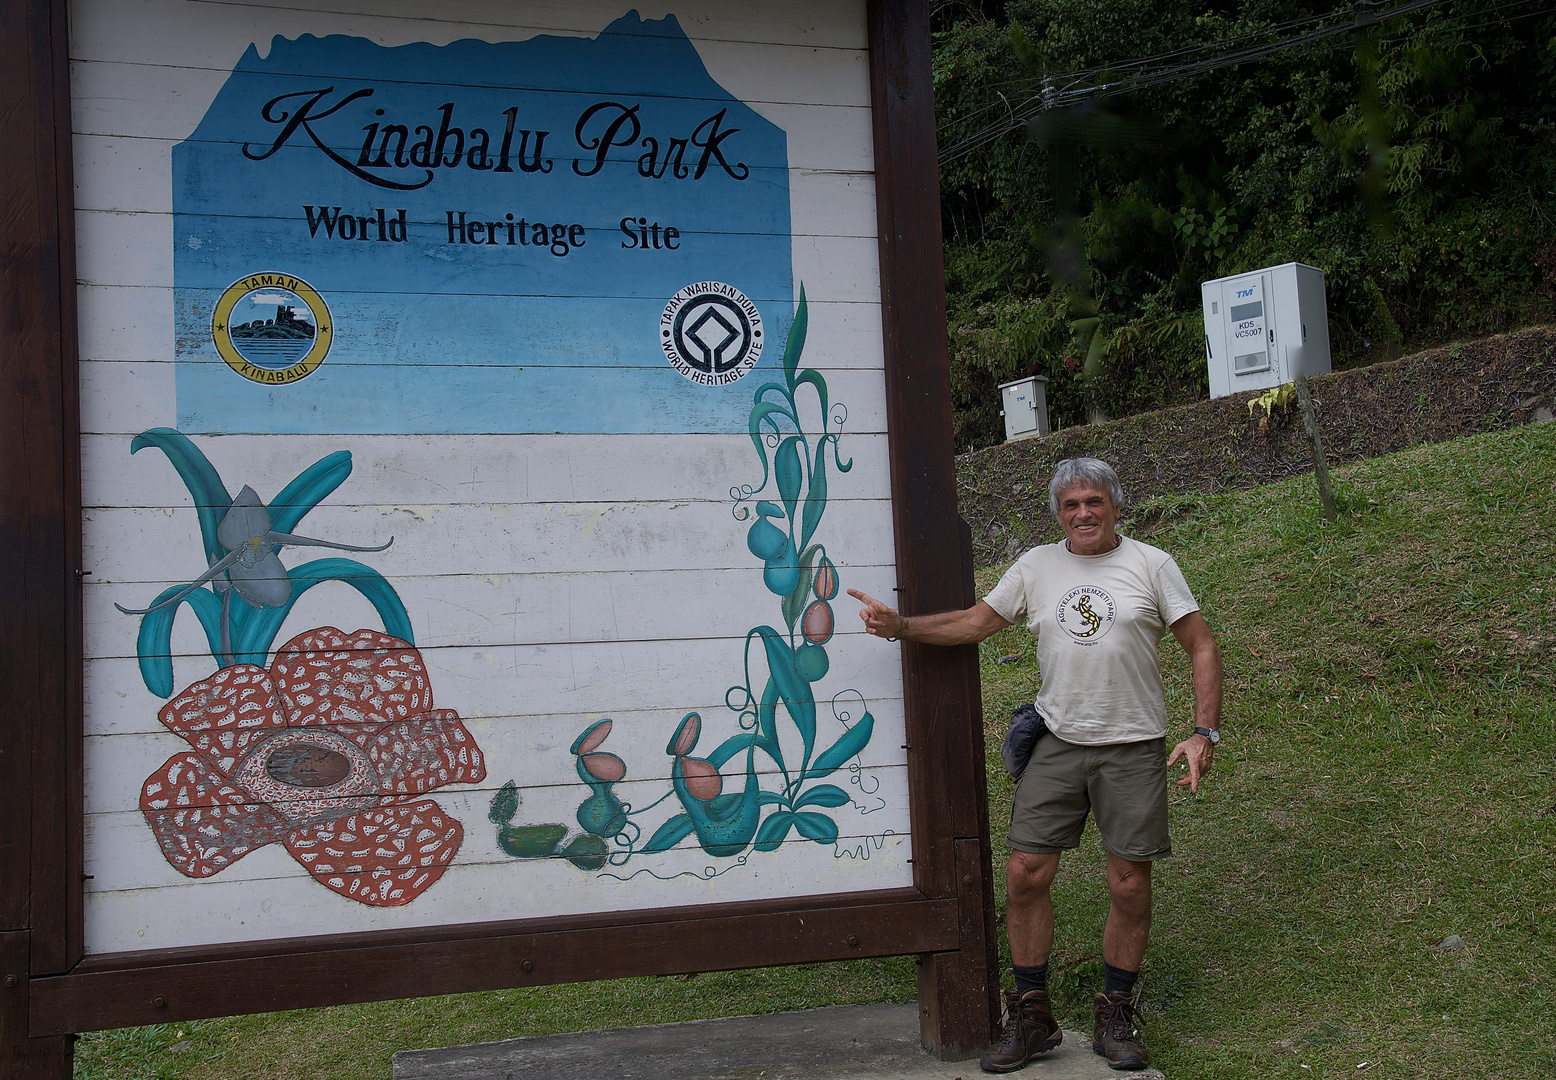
[1411, 160]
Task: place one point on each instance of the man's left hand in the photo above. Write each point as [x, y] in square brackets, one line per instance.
[1197, 752]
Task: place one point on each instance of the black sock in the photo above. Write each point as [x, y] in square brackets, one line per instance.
[1030, 978]
[1118, 981]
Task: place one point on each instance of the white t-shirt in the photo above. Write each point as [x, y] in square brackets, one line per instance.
[1098, 621]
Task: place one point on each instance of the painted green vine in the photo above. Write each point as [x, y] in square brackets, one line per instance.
[796, 569]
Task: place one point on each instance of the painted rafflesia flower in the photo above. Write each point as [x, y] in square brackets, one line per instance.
[325, 753]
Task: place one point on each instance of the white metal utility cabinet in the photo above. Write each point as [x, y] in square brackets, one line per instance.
[1024, 405]
[1265, 328]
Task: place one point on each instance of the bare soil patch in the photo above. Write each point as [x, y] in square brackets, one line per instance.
[1459, 389]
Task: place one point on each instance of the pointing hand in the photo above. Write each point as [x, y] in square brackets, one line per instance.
[880, 620]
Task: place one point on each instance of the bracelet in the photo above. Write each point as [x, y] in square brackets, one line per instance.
[901, 630]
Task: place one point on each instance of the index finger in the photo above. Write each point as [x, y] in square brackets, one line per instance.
[862, 598]
[1193, 778]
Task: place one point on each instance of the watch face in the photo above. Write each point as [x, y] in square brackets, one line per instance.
[1213, 734]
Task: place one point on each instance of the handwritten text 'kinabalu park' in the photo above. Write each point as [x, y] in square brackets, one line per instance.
[407, 157]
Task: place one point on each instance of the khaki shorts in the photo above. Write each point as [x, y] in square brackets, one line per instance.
[1123, 784]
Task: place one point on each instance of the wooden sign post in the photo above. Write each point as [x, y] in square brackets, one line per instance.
[435, 450]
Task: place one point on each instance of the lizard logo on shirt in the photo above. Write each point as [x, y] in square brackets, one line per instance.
[1093, 620]
[1086, 614]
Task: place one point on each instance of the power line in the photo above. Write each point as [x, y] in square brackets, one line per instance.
[1486, 17]
[1077, 88]
[1172, 53]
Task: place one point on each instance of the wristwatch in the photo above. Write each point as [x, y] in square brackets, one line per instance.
[1213, 734]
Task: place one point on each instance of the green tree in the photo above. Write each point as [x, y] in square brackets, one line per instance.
[1410, 158]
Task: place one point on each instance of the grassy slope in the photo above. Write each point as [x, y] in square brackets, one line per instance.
[1388, 780]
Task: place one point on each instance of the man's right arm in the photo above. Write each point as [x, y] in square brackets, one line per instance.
[965, 627]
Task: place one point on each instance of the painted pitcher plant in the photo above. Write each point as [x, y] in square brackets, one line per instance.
[796, 569]
[327, 752]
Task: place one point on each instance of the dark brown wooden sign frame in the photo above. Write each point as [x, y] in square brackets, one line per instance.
[49, 990]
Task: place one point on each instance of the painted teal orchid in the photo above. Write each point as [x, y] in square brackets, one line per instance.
[251, 566]
[241, 537]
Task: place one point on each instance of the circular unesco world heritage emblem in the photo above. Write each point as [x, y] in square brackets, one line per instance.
[1086, 613]
[711, 333]
[272, 328]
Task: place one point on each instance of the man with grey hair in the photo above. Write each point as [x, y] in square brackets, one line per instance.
[1099, 604]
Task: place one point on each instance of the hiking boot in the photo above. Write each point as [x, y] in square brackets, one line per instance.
[1116, 1035]
[1030, 1029]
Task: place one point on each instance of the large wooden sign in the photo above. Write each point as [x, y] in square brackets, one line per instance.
[437, 446]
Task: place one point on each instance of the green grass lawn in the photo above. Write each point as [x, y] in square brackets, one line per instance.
[1388, 780]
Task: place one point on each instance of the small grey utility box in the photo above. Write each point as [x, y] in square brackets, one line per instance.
[1265, 328]
[1024, 405]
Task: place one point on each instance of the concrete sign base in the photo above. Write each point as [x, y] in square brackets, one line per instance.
[854, 1042]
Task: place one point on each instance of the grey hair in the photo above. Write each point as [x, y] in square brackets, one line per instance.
[1084, 472]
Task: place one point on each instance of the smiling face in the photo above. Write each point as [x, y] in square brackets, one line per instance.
[1088, 517]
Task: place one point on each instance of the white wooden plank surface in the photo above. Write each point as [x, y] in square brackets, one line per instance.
[289, 903]
[116, 245]
[540, 680]
[462, 609]
[522, 537]
[107, 99]
[551, 580]
[832, 203]
[126, 844]
[127, 398]
[761, 74]
[550, 609]
[124, 249]
[133, 322]
[842, 268]
[534, 751]
[548, 794]
[122, 853]
[116, 172]
[479, 852]
[132, 175]
[126, 323]
[116, 248]
[541, 683]
[391, 470]
[112, 98]
[107, 28]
